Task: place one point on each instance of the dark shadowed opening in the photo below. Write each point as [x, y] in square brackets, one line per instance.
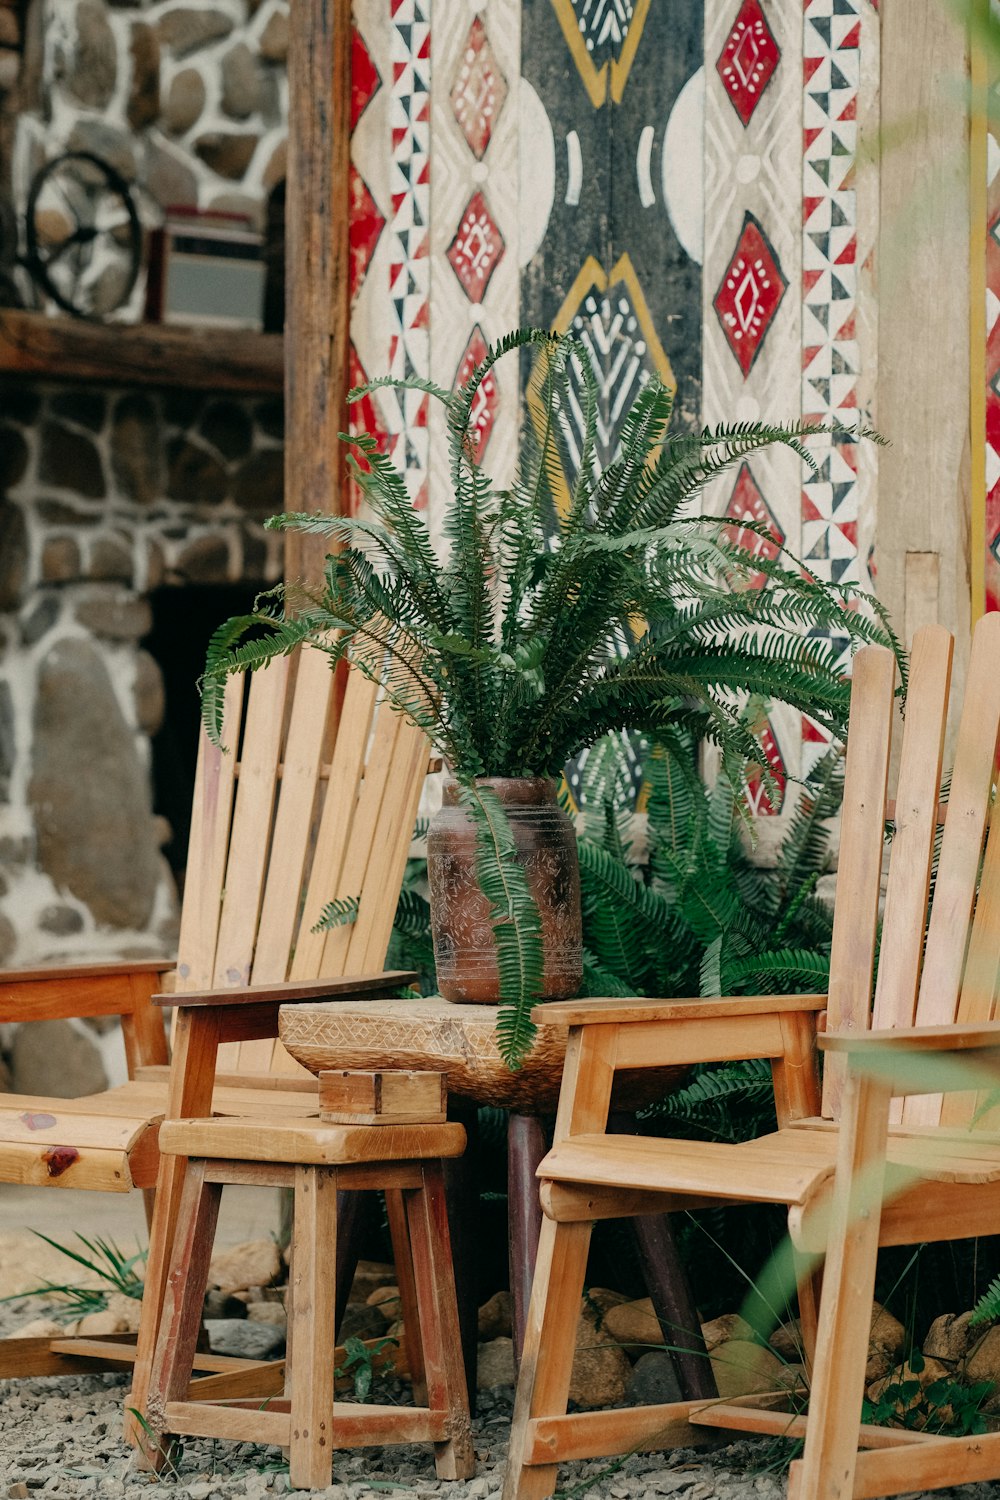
[183, 620]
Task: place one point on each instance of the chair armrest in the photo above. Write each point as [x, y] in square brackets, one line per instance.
[56, 992]
[624, 1011]
[291, 992]
[58, 973]
[911, 1039]
[923, 1059]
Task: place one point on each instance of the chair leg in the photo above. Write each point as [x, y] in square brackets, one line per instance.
[184, 1298]
[828, 1461]
[314, 1245]
[409, 1309]
[434, 1282]
[549, 1346]
[809, 1281]
[169, 1186]
[526, 1145]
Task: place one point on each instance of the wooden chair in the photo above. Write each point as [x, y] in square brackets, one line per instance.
[315, 800]
[943, 1163]
[399, 1150]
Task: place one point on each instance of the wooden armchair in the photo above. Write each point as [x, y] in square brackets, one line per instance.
[315, 800]
[941, 1164]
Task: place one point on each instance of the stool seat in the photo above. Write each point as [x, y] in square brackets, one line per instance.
[309, 1142]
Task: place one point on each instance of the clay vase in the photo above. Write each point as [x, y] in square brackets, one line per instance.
[464, 947]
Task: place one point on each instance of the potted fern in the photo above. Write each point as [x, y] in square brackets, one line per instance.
[558, 610]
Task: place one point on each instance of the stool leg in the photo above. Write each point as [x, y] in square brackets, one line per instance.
[461, 1173]
[314, 1247]
[409, 1309]
[355, 1211]
[434, 1279]
[525, 1149]
[667, 1284]
[187, 1278]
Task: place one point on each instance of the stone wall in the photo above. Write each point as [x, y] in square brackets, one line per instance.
[189, 102]
[105, 496]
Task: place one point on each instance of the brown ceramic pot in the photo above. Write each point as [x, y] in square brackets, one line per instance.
[464, 948]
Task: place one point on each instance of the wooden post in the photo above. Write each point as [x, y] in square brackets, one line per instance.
[923, 387]
[317, 294]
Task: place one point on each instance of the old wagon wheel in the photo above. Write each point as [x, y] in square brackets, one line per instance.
[84, 238]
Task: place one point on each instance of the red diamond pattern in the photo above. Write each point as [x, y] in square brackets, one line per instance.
[366, 224]
[487, 397]
[746, 503]
[365, 80]
[477, 248]
[762, 800]
[748, 59]
[749, 294]
[365, 417]
[479, 90]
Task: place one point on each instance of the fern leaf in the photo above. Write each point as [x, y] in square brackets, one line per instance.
[517, 927]
[340, 913]
[987, 1309]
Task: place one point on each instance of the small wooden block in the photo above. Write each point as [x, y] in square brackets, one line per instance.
[382, 1098]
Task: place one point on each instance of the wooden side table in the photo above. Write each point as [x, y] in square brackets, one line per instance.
[459, 1041]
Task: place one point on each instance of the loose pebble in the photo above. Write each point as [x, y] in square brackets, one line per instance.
[59, 1438]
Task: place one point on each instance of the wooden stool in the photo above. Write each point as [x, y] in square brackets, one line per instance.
[315, 1158]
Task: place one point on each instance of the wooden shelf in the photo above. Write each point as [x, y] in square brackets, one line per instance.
[224, 359]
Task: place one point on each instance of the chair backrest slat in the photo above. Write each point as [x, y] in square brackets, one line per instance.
[339, 817]
[278, 835]
[338, 940]
[859, 867]
[912, 848]
[980, 988]
[250, 841]
[208, 847]
[957, 878]
[369, 937]
[291, 846]
[965, 826]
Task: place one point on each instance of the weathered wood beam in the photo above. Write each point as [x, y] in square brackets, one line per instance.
[317, 295]
[233, 359]
[923, 388]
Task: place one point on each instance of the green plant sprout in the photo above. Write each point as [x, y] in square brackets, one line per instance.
[106, 1263]
[359, 1363]
[153, 1446]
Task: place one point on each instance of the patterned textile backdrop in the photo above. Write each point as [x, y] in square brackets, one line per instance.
[678, 183]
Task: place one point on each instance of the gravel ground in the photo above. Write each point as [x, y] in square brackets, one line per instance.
[61, 1438]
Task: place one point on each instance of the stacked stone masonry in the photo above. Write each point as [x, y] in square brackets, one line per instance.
[109, 495]
[188, 102]
[104, 497]
[11, 43]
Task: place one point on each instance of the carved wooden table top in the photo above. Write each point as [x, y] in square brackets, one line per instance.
[459, 1039]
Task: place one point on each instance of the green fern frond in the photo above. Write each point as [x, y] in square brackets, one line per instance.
[728, 1102]
[340, 913]
[575, 602]
[987, 1309]
[779, 970]
[517, 928]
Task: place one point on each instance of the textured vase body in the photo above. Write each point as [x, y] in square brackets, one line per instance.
[464, 947]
